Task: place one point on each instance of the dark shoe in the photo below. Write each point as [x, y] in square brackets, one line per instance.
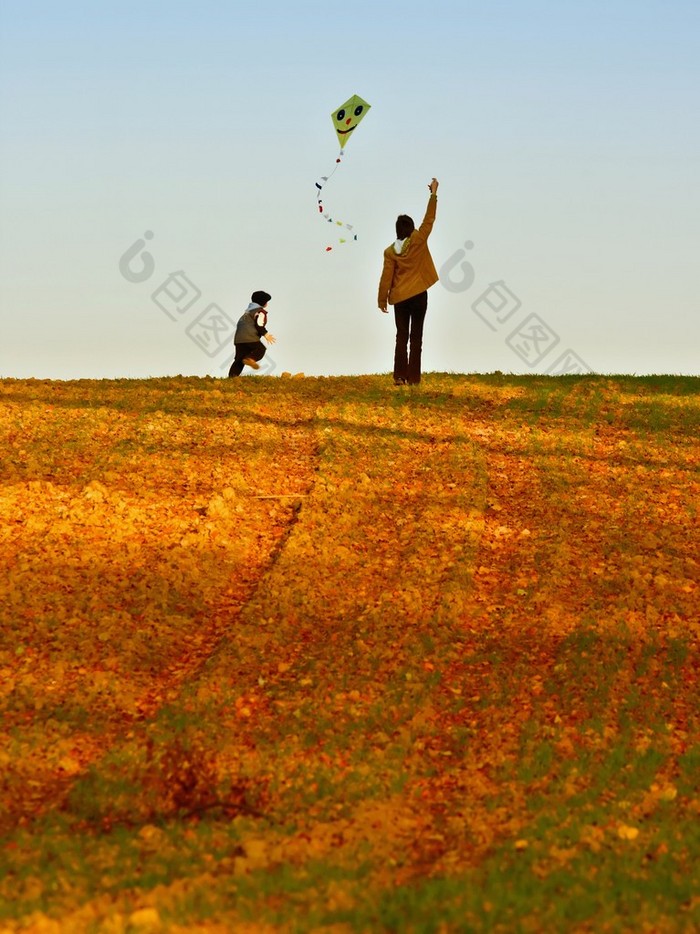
[399, 382]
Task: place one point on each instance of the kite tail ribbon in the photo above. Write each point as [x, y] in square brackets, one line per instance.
[324, 213]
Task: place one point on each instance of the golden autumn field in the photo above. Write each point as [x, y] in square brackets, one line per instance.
[323, 655]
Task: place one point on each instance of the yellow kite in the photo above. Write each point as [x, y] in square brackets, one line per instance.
[346, 119]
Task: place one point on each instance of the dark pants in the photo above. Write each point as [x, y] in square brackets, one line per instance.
[409, 317]
[254, 351]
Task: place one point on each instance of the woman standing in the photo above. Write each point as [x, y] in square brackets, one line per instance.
[407, 275]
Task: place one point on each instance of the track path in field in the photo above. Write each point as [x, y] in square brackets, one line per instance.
[353, 519]
[148, 527]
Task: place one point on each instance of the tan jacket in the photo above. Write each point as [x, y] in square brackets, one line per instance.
[412, 271]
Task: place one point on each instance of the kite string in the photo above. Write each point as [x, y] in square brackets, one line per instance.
[324, 178]
[319, 201]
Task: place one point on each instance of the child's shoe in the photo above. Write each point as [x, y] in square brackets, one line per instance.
[253, 364]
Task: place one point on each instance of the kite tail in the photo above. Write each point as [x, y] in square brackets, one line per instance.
[322, 211]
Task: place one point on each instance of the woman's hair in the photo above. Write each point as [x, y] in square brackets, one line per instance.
[404, 226]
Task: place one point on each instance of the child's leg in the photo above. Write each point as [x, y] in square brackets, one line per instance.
[256, 351]
[237, 365]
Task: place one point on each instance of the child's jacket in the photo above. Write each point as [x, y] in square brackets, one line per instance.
[251, 325]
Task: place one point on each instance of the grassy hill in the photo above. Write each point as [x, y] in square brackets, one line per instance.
[323, 654]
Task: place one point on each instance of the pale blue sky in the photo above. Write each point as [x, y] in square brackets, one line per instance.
[565, 137]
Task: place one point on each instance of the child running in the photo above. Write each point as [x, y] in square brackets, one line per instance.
[251, 328]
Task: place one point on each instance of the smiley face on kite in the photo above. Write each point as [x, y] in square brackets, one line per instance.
[347, 117]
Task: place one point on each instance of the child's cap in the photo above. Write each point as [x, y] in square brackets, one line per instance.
[260, 298]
